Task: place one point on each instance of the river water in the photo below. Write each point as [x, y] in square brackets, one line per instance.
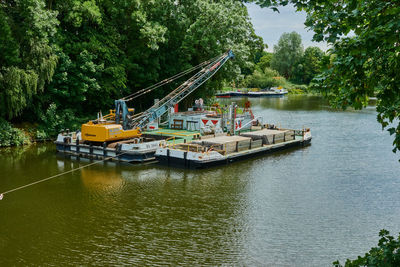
[303, 207]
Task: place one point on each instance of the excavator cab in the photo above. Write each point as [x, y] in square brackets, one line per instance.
[112, 127]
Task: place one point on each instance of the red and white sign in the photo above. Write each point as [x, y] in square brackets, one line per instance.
[238, 124]
[204, 122]
[152, 126]
[210, 122]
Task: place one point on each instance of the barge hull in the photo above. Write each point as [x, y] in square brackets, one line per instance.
[198, 164]
[100, 153]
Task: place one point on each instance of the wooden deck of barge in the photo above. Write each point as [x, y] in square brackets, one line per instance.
[227, 149]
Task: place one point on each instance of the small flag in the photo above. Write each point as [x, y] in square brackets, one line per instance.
[1, 196]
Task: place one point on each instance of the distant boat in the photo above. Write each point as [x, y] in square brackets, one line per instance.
[270, 92]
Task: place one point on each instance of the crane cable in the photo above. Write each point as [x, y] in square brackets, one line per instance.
[176, 90]
[159, 84]
[210, 65]
[166, 81]
[57, 175]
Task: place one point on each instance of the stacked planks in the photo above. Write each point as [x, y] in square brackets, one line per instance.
[229, 144]
[271, 136]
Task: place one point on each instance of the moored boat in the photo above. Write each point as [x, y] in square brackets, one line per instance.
[271, 92]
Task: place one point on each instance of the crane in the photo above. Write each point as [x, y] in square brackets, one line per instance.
[103, 130]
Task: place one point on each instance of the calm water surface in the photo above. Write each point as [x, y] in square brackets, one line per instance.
[303, 207]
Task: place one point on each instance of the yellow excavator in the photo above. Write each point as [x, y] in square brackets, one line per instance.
[108, 128]
[121, 123]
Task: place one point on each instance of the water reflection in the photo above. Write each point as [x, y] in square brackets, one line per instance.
[101, 180]
[123, 213]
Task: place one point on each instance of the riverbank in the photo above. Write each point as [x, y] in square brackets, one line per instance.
[26, 133]
[12, 136]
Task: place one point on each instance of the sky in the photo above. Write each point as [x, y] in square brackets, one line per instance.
[270, 25]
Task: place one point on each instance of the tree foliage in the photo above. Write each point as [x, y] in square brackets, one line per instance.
[265, 78]
[265, 61]
[386, 254]
[364, 36]
[287, 53]
[308, 66]
[27, 58]
[81, 55]
[10, 136]
[288, 60]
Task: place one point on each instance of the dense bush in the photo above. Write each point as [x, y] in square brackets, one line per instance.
[54, 119]
[10, 136]
[264, 79]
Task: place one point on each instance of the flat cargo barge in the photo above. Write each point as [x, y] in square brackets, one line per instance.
[181, 127]
[137, 150]
[223, 150]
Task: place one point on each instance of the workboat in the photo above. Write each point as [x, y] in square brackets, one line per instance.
[223, 149]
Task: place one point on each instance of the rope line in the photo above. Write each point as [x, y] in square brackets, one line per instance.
[57, 175]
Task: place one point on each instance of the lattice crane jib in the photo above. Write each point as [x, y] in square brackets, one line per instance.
[180, 93]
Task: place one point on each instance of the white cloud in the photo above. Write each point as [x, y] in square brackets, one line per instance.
[271, 25]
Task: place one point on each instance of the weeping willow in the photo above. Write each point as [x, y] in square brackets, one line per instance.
[27, 59]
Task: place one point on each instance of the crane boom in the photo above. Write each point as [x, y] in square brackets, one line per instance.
[157, 110]
[102, 130]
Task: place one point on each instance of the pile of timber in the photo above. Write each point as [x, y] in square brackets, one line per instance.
[271, 136]
[194, 147]
[229, 144]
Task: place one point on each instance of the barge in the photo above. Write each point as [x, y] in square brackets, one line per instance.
[272, 92]
[180, 127]
[221, 150]
[138, 150]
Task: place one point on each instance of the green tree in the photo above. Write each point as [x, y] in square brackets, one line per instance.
[366, 53]
[264, 79]
[27, 55]
[265, 61]
[259, 54]
[309, 65]
[386, 254]
[91, 67]
[113, 48]
[287, 52]
[79, 56]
